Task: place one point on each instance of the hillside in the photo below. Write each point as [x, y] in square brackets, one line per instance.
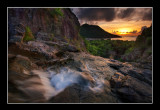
[94, 31]
[146, 37]
[142, 51]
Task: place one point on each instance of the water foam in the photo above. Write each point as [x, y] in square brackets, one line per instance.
[56, 82]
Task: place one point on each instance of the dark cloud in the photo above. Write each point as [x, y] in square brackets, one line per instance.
[134, 31]
[109, 14]
[114, 32]
[147, 15]
[93, 14]
[126, 13]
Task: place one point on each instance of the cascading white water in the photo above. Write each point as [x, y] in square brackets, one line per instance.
[54, 82]
[64, 78]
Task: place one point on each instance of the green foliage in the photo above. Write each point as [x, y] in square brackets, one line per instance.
[93, 49]
[116, 48]
[104, 47]
[120, 59]
[56, 12]
[28, 35]
[129, 50]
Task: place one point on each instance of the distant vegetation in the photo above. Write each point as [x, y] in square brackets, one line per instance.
[116, 48]
[109, 48]
[94, 31]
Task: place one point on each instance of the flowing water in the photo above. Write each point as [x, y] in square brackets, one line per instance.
[54, 82]
[125, 38]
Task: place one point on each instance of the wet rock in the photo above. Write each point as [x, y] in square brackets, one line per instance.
[91, 80]
[70, 48]
[96, 66]
[76, 94]
[143, 90]
[128, 94]
[69, 95]
[130, 82]
[130, 89]
[116, 66]
[42, 48]
[147, 73]
[19, 64]
[136, 73]
[23, 85]
[91, 97]
[117, 80]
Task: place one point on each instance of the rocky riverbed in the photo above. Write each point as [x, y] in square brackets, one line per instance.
[40, 74]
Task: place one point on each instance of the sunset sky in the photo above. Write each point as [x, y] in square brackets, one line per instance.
[120, 21]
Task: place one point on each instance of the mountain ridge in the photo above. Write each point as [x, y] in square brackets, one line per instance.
[94, 31]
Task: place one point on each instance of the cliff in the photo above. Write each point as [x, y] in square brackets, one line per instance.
[45, 24]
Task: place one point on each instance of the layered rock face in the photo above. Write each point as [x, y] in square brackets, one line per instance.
[51, 24]
[51, 69]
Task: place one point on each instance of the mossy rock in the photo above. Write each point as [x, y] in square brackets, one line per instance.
[28, 36]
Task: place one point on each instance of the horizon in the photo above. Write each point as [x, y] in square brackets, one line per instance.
[124, 22]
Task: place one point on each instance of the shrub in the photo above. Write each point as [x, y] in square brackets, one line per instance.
[129, 50]
[56, 12]
[103, 48]
[28, 36]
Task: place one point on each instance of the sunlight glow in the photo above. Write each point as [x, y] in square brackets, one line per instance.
[124, 31]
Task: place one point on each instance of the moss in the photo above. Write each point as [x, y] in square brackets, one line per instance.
[28, 36]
